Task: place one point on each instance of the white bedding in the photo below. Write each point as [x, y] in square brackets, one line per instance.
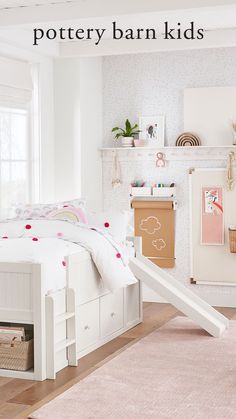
[49, 252]
[49, 241]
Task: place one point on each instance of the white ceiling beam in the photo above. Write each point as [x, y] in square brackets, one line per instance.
[212, 39]
[96, 8]
[17, 37]
[17, 52]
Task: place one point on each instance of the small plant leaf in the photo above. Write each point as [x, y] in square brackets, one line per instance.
[129, 131]
[128, 126]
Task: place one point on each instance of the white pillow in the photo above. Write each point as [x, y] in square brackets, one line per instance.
[113, 222]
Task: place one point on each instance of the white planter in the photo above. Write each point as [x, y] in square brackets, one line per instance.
[144, 191]
[127, 141]
[164, 192]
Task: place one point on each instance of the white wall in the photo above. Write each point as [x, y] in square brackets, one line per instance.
[91, 90]
[78, 129]
[46, 106]
[147, 84]
[67, 129]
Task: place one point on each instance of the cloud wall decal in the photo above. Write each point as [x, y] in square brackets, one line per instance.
[150, 225]
[159, 244]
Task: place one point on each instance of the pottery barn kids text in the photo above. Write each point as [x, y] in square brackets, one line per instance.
[115, 32]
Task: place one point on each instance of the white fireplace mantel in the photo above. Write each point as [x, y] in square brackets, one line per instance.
[171, 153]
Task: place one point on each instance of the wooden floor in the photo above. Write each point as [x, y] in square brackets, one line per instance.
[20, 397]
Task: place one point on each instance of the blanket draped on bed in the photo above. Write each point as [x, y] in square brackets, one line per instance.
[109, 257]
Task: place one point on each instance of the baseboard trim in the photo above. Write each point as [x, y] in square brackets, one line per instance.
[212, 297]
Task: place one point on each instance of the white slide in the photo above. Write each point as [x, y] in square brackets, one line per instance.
[178, 295]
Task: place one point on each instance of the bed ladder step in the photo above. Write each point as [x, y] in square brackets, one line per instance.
[63, 317]
[67, 343]
[64, 344]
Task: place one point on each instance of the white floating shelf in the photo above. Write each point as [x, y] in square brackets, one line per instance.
[171, 153]
[202, 147]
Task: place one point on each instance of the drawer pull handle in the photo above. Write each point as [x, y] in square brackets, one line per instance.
[86, 327]
[113, 314]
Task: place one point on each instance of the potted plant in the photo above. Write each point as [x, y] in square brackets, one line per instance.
[126, 134]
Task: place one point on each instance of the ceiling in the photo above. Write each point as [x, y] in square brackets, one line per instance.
[207, 18]
[12, 4]
[160, 4]
[18, 18]
[16, 12]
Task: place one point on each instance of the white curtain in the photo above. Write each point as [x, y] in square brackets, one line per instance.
[15, 82]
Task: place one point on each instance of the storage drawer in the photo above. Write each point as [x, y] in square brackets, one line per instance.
[87, 324]
[87, 284]
[112, 312]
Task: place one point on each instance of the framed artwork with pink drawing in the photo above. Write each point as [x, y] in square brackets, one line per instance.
[212, 216]
[212, 212]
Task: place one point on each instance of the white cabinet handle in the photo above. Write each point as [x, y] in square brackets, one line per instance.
[113, 314]
[86, 327]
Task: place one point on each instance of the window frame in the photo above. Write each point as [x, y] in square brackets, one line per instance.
[32, 156]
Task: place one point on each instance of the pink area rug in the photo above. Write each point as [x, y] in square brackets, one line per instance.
[176, 372]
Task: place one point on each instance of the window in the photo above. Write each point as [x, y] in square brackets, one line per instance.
[15, 161]
[19, 135]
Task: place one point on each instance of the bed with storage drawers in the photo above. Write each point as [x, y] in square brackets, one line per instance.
[68, 321]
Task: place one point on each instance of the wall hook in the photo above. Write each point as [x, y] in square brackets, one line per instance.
[160, 161]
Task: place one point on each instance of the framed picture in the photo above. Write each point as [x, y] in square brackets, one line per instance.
[152, 129]
[212, 219]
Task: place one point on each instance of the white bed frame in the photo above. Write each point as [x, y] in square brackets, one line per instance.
[67, 324]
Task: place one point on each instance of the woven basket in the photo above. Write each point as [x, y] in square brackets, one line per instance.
[17, 356]
[232, 240]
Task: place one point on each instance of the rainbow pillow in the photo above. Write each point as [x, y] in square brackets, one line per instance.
[38, 211]
[68, 213]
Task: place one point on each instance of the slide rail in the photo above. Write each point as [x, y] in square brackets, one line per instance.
[177, 294]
